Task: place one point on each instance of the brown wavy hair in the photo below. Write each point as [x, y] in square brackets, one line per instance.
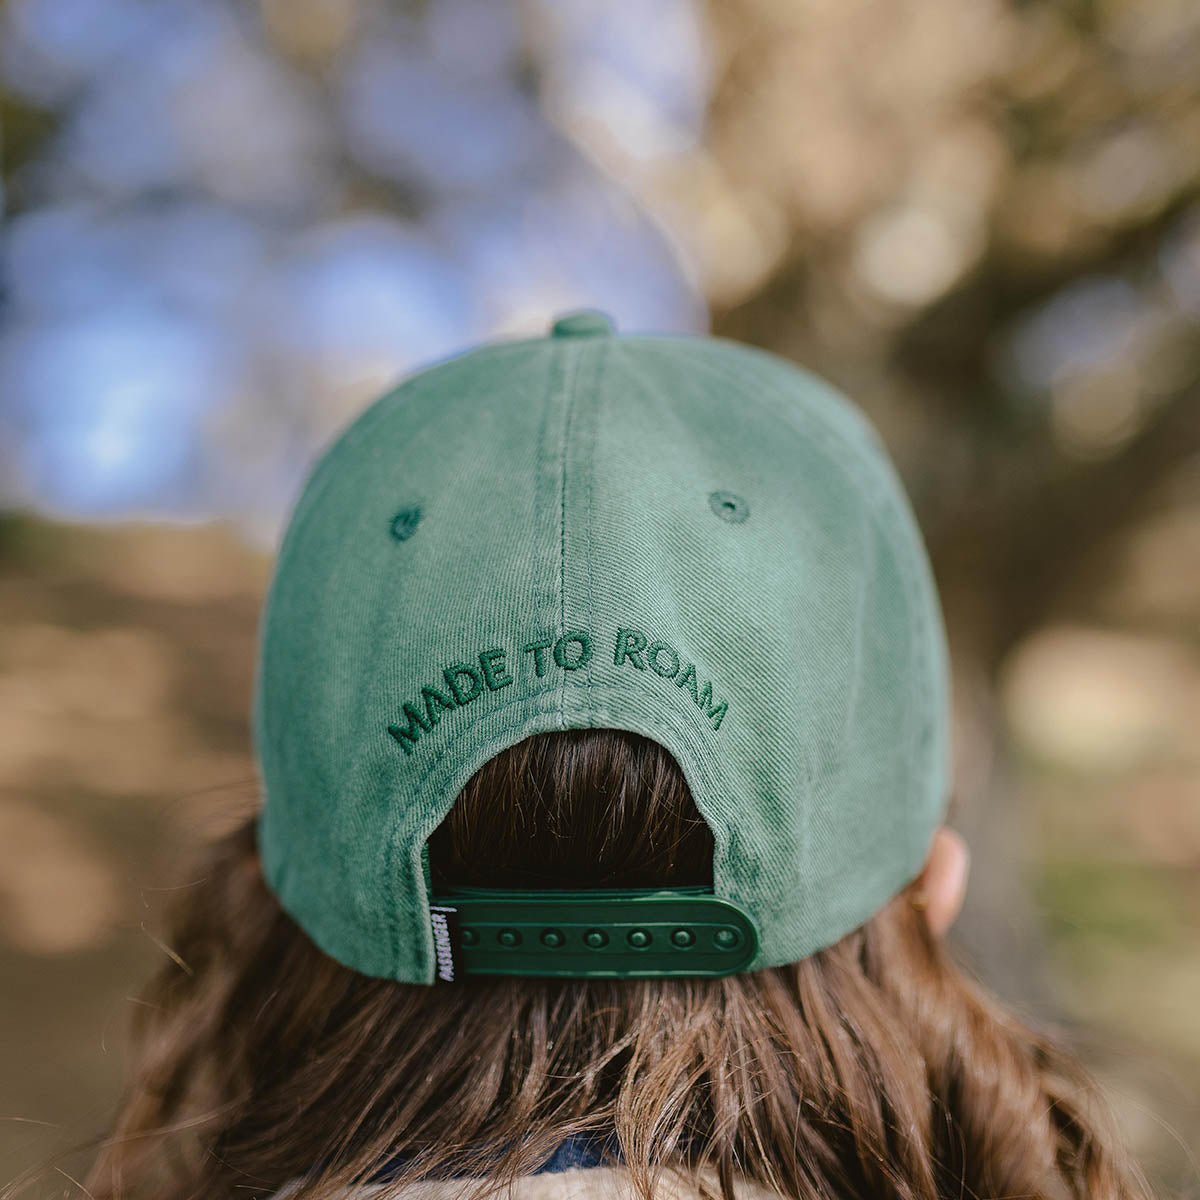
[873, 1068]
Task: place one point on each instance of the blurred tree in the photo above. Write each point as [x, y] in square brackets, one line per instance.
[24, 130]
[983, 222]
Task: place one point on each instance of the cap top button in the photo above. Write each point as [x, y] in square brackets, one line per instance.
[587, 323]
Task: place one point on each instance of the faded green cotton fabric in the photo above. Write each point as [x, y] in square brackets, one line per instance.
[679, 536]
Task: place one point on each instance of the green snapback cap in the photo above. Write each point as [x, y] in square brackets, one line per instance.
[679, 536]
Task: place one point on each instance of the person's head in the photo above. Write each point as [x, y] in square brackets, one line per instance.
[874, 1067]
[602, 720]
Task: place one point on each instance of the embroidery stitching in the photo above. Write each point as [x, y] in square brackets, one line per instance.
[569, 652]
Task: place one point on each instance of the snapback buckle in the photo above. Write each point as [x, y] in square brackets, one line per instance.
[598, 934]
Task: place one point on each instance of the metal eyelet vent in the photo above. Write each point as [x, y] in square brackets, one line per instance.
[405, 522]
[729, 506]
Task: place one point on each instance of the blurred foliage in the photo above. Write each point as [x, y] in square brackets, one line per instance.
[229, 224]
[125, 669]
[25, 130]
[987, 230]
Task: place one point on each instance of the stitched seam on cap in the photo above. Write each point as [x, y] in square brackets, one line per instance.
[392, 922]
[568, 391]
[597, 390]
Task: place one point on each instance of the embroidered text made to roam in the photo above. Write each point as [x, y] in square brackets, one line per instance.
[464, 682]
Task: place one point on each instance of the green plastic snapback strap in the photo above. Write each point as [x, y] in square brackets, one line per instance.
[591, 935]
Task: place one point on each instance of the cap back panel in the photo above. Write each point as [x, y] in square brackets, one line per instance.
[676, 536]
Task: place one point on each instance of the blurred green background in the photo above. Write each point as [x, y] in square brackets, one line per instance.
[227, 225]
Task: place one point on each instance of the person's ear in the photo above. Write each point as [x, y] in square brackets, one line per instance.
[942, 884]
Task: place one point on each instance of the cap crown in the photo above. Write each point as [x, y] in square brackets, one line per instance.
[679, 536]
